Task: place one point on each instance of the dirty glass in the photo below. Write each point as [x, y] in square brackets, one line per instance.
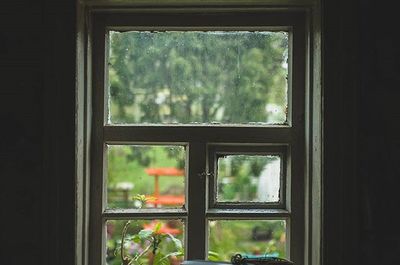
[142, 238]
[145, 176]
[192, 77]
[245, 237]
[248, 178]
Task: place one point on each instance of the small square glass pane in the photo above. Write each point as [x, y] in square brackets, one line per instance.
[193, 77]
[248, 178]
[145, 176]
[246, 237]
[139, 241]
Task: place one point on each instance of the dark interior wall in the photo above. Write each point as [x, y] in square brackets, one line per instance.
[362, 136]
[341, 43]
[58, 112]
[37, 69]
[21, 144]
[379, 133]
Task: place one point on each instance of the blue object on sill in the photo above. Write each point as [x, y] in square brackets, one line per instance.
[204, 262]
[265, 259]
[239, 259]
[267, 255]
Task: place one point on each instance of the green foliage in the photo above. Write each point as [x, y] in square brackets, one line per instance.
[240, 171]
[213, 256]
[125, 164]
[160, 259]
[162, 246]
[169, 77]
[228, 238]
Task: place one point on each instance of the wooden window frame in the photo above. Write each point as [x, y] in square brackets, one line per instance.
[199, 138]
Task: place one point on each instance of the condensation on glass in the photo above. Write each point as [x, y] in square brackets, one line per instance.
[139, 240]
[145, 176]
[247, 237]
[248, 178]
[193, 77]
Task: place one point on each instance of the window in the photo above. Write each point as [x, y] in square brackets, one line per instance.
[202, 112]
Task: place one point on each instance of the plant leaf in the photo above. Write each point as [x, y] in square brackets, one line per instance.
[139, 197]
[145, 233]
[213, 256]
[176, 254]
[136, 238]
[160, 259]
[157, 227]
[177, 243]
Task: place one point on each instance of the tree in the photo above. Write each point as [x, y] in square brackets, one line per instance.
[201, 77]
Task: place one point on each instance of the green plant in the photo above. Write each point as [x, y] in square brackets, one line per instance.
[156, 241]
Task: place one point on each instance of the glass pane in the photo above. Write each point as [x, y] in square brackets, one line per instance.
[230, 237]
[145, 241]
[248, 178]
[145, 176]
[227, 77]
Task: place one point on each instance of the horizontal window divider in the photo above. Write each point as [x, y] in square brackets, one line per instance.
[204, 17]
[279, 149]
[116, 214]
[198, 28]
[249, 205]
[247, 213]
[211, 5]
[179, 134]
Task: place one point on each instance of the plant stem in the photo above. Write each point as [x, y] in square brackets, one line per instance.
[125, 260]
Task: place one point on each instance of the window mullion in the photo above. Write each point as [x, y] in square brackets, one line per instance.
[196, 203]
[97, 231]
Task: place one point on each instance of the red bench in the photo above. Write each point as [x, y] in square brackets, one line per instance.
[159, 199]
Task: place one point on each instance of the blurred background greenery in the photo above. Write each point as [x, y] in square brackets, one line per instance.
[198, 77]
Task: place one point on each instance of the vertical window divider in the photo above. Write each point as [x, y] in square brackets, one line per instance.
[196, 203]
[97, 228]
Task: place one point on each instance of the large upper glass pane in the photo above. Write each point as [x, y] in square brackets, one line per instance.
[190, 77]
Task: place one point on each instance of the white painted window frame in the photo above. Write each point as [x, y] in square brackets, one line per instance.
[198, 139]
